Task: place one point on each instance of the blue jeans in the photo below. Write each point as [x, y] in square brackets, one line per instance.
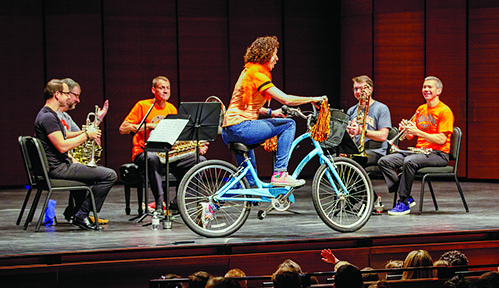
[257, 131]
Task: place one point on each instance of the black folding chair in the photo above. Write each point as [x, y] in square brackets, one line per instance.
[448, 171]
[37, 167]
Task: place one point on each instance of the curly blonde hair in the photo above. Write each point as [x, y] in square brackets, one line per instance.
[261, 50]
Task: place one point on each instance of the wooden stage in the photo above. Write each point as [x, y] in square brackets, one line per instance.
[127, 254]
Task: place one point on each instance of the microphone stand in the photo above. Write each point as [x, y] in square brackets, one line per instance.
[143, 122]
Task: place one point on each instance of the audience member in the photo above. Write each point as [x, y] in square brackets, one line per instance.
[172, 284]
[380, 284]
[456, 258]
[348, 276]
[394, 264]
[488, 280]
[199, 279]
[459, 282]
[286, 277]
[221, 282]
[418, 258]
[236, 272]
[369, 276]
[444, 272]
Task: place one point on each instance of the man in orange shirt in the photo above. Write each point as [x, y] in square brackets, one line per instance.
[433, 125]
[161, 90]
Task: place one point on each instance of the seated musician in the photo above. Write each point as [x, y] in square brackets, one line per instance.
[433, 125]
[161, 90]
[378, 122]
[52, 134]
[253, 88]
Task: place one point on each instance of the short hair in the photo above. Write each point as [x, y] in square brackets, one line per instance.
[363, 79]
[489, 280]
[455, 258]
[156, 80]
[348, 276]
[52, 86]
[291, 264]
[286, 277]
[71, 83]
[199, 279]
[437, 81]
[261, 50]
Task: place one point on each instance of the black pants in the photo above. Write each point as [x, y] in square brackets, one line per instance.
[155, 168]
[100, 178]
[410, 163]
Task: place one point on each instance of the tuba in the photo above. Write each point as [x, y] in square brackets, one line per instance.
[222, 111]
[89, 152]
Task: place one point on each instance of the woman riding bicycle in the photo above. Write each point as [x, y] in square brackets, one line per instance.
[253, 88]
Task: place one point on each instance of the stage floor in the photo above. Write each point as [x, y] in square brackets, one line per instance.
[300, 223]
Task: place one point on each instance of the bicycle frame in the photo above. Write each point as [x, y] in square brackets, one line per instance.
[266, 190]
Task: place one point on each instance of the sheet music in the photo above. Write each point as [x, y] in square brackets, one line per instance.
[167, 130]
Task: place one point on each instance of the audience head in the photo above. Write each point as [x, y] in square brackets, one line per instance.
[418, 258]
[443, 273]
[286, 277]
[488, 280]
[348, 276]
[221, 282]
[369, 276]
[236, 272]
[172, 284]
[199, 279]
[459, 282]
[455, 258]
[291, 264]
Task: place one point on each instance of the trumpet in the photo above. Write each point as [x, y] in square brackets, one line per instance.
[400, 136]
[89, 152]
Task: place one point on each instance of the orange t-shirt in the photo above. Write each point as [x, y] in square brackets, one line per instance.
[438, 119]
[138, 112]
[238, 111]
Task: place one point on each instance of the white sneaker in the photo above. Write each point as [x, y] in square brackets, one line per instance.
[284, 179]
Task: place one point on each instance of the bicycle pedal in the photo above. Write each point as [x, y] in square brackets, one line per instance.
[261, 214]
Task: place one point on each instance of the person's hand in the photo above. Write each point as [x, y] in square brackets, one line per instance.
[353, 128]
[97, 141]
[278, 113]
[320, 98]
[328, 256]
[93, 133]
[101, 113]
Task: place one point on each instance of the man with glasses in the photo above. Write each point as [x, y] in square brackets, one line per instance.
[76, 198]
[378, 122]
[52, 134]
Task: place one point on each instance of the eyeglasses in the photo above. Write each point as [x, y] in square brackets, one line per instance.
[74, 94]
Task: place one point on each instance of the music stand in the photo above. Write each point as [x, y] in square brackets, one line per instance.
[204, 119]
[161, 139]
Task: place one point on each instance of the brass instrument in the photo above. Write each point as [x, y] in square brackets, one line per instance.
[89, 152]
[180, 150]
[222, 111]
[362, 117]
[400, 136]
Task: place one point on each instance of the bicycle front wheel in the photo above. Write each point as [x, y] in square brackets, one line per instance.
[343, 211]
[197, 207]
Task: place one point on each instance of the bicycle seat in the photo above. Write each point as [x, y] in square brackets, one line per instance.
[239, 147]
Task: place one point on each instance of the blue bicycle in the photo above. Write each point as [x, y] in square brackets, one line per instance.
[215, 200]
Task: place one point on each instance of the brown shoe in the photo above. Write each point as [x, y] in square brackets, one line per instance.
[102, 221]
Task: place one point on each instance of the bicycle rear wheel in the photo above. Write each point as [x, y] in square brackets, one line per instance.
[344, 212]
[195, 193]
